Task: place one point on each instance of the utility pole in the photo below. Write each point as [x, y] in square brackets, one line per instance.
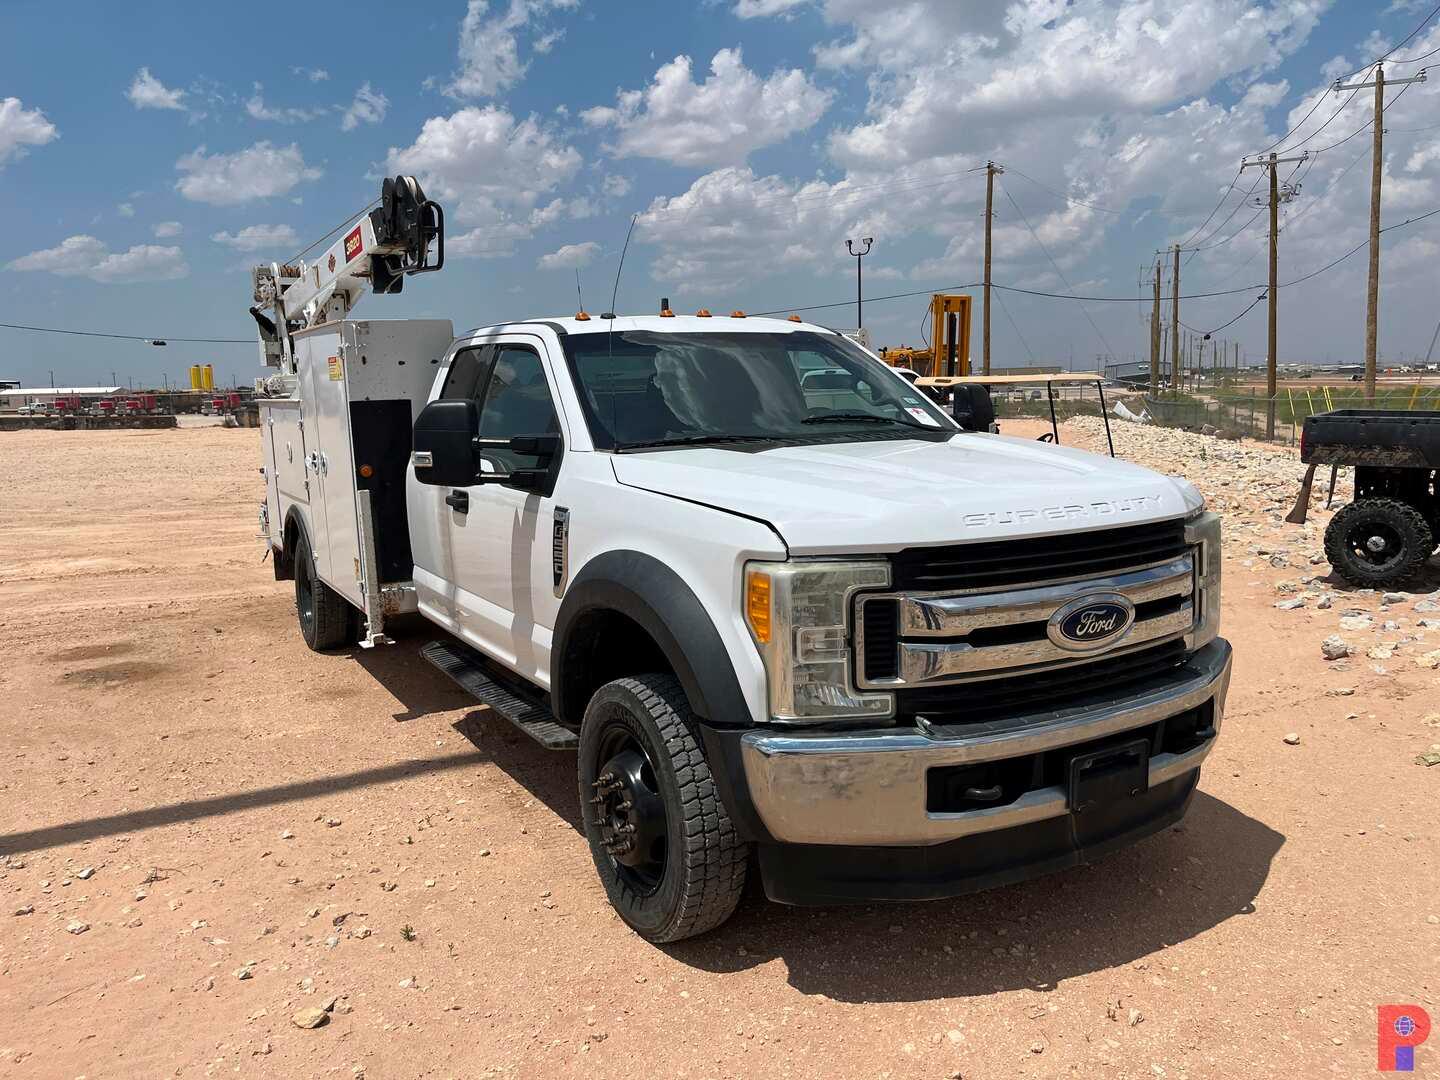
[1377, 170]
[859, 258]
[1273, 292]
[1175, 321]
[991, 171]
[1155, 337]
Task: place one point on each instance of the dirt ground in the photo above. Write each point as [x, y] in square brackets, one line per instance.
[205, 828]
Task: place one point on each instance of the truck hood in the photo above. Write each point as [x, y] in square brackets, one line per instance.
[883, 496]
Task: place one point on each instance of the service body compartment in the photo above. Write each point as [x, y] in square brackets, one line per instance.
[346, 428]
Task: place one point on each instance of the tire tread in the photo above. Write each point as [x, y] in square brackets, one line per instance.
[1419, 541]
[713, 858]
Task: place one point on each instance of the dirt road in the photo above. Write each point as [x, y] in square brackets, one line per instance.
[208, 828]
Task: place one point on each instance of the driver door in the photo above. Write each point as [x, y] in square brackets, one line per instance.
[495, 542]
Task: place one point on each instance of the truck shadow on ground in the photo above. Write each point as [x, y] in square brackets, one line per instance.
[401, 672]
[1172, 887]
[1139, 901]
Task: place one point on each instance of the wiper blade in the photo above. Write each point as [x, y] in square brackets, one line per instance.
[837, 417]
[695, 440]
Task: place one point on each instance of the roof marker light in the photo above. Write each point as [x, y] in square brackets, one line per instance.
[796, 318]
[703, 313]
[580, 316]
[737, 314]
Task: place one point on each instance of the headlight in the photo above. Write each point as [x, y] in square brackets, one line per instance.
[1202, 533]
[799, 615]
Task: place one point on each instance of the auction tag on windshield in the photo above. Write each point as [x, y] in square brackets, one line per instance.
[924, 417]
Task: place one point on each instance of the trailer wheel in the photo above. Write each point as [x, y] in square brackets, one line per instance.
[664, 847]
[325, 616]
[1378, 542]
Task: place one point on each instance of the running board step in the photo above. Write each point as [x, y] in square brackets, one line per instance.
[471, 672]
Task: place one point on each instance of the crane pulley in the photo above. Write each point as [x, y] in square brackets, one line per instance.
[378, 251]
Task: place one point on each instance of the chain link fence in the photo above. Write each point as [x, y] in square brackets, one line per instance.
[1220, 410]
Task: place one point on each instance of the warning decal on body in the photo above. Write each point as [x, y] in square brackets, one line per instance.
[337, 369]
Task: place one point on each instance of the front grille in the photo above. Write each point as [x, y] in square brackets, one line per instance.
[1056, 688]
[995, 564]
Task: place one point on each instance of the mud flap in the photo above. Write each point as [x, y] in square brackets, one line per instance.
[1302, 501]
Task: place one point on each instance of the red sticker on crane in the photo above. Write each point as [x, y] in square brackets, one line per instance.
[352, 244]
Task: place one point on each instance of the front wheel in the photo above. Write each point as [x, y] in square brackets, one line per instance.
[1375, 543]
[664, 847]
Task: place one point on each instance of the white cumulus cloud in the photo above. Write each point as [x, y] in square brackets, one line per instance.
[717, 122]
[88, 257]
[489, 50]
[257, 172]
[164, 230]
[21, 128]
[369, 107]
[258, 238]
[760, 9]
[570, 257]
[148, 92]
[490, 170]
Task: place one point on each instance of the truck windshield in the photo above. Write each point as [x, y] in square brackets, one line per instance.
[648, 389]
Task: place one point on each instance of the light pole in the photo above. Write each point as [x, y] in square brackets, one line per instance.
[859, 261]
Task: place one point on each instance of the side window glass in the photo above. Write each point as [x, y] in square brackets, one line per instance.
[463, 380]
[517, 402]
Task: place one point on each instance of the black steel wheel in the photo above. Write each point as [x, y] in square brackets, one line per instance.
[663, 845]
[325, 616]
[1376, 543]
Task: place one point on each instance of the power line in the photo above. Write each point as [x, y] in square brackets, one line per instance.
[301, 253]
[1343, 105]
[1365, 126]
[1399, 45]
[147, 339]
[1056, 265]
[1015, 326]
[1067, 198]
[878, 299]
[820, 307]
[1207, 333]
[1250, 191]
[1226, 195]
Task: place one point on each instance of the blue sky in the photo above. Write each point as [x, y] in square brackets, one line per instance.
[149, 153]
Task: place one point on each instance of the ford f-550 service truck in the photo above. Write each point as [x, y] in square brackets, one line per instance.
[809, 625]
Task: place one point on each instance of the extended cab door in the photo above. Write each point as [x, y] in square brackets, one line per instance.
[483, 553]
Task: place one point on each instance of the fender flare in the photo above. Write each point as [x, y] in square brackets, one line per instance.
[651, 594]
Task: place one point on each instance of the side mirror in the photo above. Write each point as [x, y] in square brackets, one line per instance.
[445, 450]
[972, 408]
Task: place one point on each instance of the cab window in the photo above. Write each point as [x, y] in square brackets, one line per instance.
[516, 402]
[466, 375]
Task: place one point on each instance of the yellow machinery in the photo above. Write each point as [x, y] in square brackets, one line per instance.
[195, 383]
[949, 354]
[950, 334]
[207, 377]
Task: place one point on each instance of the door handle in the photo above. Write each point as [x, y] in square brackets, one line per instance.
[460, 500]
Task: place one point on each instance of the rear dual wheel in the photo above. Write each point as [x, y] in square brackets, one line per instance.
[663, 845]
[326, 619]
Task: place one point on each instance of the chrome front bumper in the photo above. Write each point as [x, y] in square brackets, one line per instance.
[869, 787]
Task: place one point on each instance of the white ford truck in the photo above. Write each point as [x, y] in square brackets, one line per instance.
[808, 625]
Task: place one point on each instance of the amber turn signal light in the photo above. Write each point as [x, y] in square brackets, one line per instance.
[757, 604]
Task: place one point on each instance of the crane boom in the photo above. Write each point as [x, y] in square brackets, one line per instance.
[379, 250]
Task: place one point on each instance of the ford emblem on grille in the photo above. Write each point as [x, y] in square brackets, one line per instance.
[1091, 623]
